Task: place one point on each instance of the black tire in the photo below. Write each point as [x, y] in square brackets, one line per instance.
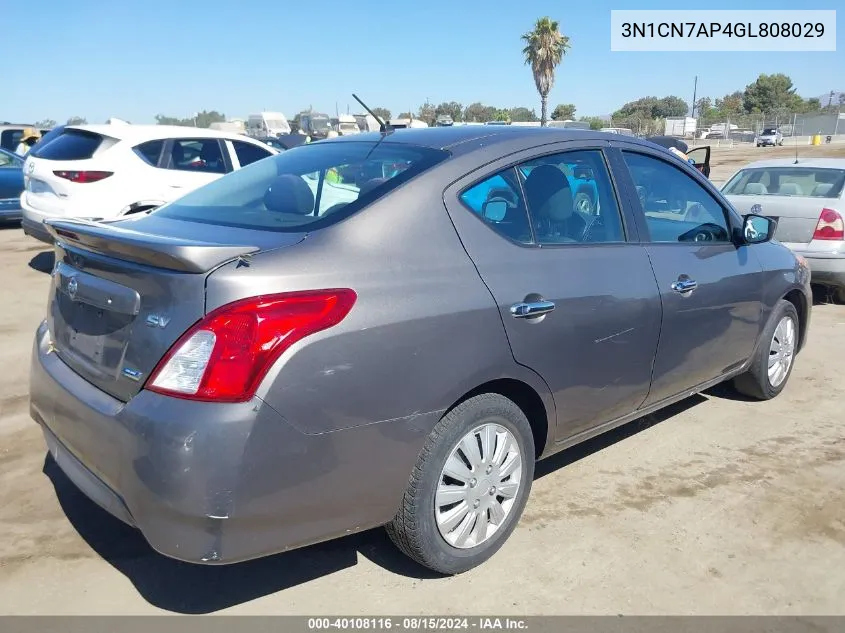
[414, 529]
[755, 382]
[839, 296]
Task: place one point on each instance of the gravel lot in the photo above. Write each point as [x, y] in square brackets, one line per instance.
[715, 506]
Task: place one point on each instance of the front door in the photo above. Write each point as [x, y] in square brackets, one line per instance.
[711, 289]
[578, 300]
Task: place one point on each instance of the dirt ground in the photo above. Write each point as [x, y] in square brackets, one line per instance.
[716, 506]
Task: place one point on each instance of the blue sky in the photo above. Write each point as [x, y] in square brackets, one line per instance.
[134, 59]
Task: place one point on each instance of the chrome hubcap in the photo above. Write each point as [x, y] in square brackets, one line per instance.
[478, 486]
[781, 351]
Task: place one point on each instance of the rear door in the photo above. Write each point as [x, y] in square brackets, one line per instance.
[575, 291]
[711, 289]
[190, 163]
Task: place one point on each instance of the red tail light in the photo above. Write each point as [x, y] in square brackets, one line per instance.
[83, 176]
[225, 356]
[830, 226]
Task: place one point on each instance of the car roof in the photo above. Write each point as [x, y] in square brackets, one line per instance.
[470, 137]
[140, 133]
[836, 163]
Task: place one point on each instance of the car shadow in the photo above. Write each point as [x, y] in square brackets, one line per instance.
[198, 589]
[43, 262]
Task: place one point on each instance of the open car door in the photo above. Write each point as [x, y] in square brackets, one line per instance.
[701, 158]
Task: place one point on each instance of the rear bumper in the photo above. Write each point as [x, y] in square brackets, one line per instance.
[10, 209]
[826, 268]
[219, 483]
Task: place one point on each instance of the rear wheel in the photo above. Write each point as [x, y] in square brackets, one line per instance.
[773, 361]
[469, 486]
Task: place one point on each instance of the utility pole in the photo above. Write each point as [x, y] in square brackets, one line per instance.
[694, 94]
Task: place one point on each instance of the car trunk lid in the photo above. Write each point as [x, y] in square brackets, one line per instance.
[122, 293]
[797, 217]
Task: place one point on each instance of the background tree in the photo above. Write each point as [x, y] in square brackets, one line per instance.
[45, 124]
[596, 123]
[729, 105]
[382, 113]
[653, 108]
[544, 49]
[478, 112]
[405, 115]
[202, 119]
[426, 113]
[522, 114]
[449, 108]
[502, 115]
[77, 120]
[771, 93]
[563, 112]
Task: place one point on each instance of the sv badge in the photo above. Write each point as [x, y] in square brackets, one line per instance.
[157, 320]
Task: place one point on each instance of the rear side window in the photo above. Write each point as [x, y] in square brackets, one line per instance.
[9, 139]
[150, 151]
[72, 145]
[248, 153]
[306, 188]
[498, 201]
[202, 155]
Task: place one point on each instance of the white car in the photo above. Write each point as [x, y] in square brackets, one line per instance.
[107, 171]
[807, 199]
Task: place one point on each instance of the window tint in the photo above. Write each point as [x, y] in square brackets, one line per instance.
[71, 145]
[9, 139]
[198, 155]
[283, 192]
[676, 207]
[10, 161]
[571, 199]
[150, 151]
[248, 153]
[810, 182]
[498, 201]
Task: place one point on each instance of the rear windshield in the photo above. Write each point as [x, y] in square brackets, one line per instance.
[805, 182]
[46, 138]
[71, 145]
[308, 187]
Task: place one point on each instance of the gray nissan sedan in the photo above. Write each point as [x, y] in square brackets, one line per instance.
[390, 329]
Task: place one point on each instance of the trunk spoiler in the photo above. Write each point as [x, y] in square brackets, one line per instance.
[180, 254]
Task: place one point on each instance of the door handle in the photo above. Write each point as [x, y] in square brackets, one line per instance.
[684, 285]
[528, 309]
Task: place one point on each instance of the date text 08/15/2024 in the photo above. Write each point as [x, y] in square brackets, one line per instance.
[416, 623]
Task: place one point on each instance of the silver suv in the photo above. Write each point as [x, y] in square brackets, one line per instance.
[770, 136]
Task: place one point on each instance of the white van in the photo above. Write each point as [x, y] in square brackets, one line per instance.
[346, 125]
[267, 124]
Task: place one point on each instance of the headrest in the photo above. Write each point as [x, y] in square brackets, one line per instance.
[289, 194]
[548, 192]
[755, 189]
[822, 189]
[789, 189]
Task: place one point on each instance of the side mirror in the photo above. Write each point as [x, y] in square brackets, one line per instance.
[757, 229]
[494, 210]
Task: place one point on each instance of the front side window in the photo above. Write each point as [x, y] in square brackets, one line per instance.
[248, 153]
[571, 198]
[676, 207]
[805, 182]
[198, 155]
[306, 188]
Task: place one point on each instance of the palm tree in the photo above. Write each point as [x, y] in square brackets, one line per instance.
[544, 49]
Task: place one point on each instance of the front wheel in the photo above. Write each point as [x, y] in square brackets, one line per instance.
[469, 486]
[774, 358]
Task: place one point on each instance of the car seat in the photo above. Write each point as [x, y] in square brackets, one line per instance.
[822, 189]
[755, 189]
[289, 194]
[549, 198]
[790, 189]
[211, 157]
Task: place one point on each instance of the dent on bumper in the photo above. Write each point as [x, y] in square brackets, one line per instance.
[214, 483]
